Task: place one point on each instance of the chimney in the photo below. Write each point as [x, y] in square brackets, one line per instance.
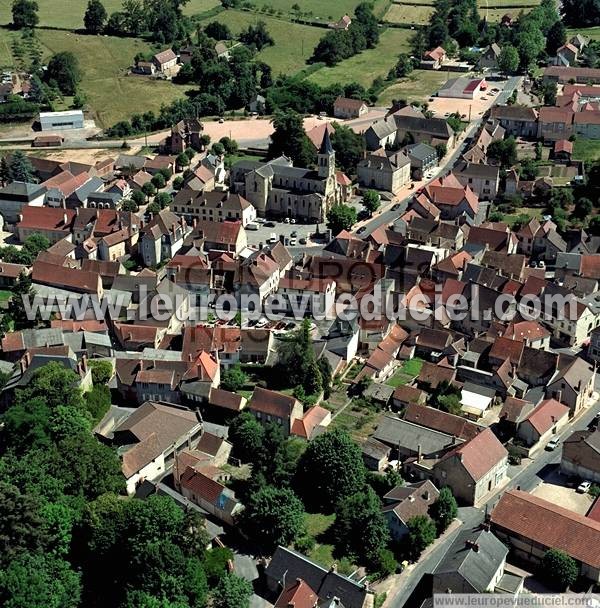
[419, 453]
[65, 219]
[333, 567]
[194, 222]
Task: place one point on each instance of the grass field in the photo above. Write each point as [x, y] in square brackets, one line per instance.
[417, 87]
[294, 43]
[407, 373]
[588, 32]
[69, 13]
[368, 65]
[404, 13]
[104, 59]
[586, 149]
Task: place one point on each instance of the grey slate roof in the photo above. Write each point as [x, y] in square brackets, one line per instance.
[21, 191]
[476, 564]
[290, 565]
[420, 151]
[93, 185]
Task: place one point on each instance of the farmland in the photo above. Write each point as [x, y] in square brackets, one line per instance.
[405, 13]
[368, 65]
[69, 13]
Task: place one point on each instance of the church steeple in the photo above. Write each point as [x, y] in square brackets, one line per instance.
[326, 156]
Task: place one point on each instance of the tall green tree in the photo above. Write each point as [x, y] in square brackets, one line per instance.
[274, 516]
[557, 36]
[360, 529]
[559, 569]
[290, 139]
[63, 69]
[349, 148]
[95, 17]
[330, 470]
[232, 592]
[341, 217]
[20, 168]
[421, 533]
[508, 61]
[443, 510]
[24, 14]
[371, 201]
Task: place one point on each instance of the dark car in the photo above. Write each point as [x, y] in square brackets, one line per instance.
[270, 224]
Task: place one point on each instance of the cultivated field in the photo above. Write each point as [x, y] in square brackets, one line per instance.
[368, 65]
[294, 43]
[408, 13]
[417, 87]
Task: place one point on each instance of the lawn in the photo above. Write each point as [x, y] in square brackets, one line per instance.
[407, 373]
[419, 85]
[5, 295]
[294, 43]
[111, 94]
[511, 218]
[495, 14]
[586, 149]
[368, 65]
[405, 13]
[317, 523]
[69, 13]
[588, 32]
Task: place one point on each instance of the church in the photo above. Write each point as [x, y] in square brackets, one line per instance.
[278, 189]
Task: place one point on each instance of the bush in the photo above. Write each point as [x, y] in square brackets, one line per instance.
[305, 544]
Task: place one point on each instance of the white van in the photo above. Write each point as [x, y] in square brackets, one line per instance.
[252, 226]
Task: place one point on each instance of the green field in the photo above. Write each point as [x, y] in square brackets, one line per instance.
[586, 149]
[405, 13]
[588, 32]
[69, 13]
[294, 43]
[368, 65]
[420, 85]
[104, 59]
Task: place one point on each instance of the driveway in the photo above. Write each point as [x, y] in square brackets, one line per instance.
[556, 488]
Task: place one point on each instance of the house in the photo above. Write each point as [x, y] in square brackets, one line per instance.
[531, 526]
[215, 206]
[165, 61]
[224, 236]
[567, 54]
[185, 134]
[48, 141]
[564, 75]
[402, 503]
[520, 121]
[346, 108]
[405, 395]
[563, 150]
[384, 171]
[271, 406]
[581, 455]
[222, 51]
[555, 123]
[149, 439]
[489, 57]
[297, 594]
[400, 129]
[474, 469]
[375, 454]
[452, 198]
[343, 23]
[482, 179]
[423, 157]
[572, 383]
[314, 422]
[441, 421]
[433, 59]
[579, 42]
[15, 196]
[162, 237]
[10, 273]
[474, 563]
[286, 566]
[545, 421]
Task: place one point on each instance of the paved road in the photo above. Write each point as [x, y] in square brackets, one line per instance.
[527, 477]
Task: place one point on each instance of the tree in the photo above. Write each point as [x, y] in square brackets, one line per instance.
[349, 148]
[148, 189]
[330, 470]
[341, 217]
[559, 569]
[102, 370]
[20, 168]
[556, 37]
[583, 207]
[218, 31]
[508, 60]
[360, 530]
[441, 150]
[257, 36]
[371, 201]
[421, 533]
[158, 181]
[581, 13]
[131, 205]
[163, 199]
[443, 510]
[404, 66]
[63, 69]
[232, 592]
[290, 139]
[138, 197]
[247, 436]
[230, 145]
[274, 516]
[24, 14]
[233, 379]
[95, 17]
[504, 151]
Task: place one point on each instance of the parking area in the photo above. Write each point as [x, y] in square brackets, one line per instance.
[469, 109]
[294, 234]
[561, 490]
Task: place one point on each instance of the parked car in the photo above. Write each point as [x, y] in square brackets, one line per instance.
[292, 242]
[584, 487]
[361, 229]
[270, 224]
[302, 241]
[294, 233]
[552, 444]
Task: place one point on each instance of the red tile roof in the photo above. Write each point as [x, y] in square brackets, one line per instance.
[504, 348]
[548, 525]
[481, 454]
[201, 486]
[438, 420]
[297, 595]
[547, 414]
[46, 218]
[272, 403]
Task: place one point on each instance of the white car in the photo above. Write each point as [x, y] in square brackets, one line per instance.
[552, 444]
[584, 487]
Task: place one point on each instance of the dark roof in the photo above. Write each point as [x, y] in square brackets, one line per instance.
[326, 147]
[475, 556]
[290, 565]
[271, 402]
[441, 421]
[22, 190]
